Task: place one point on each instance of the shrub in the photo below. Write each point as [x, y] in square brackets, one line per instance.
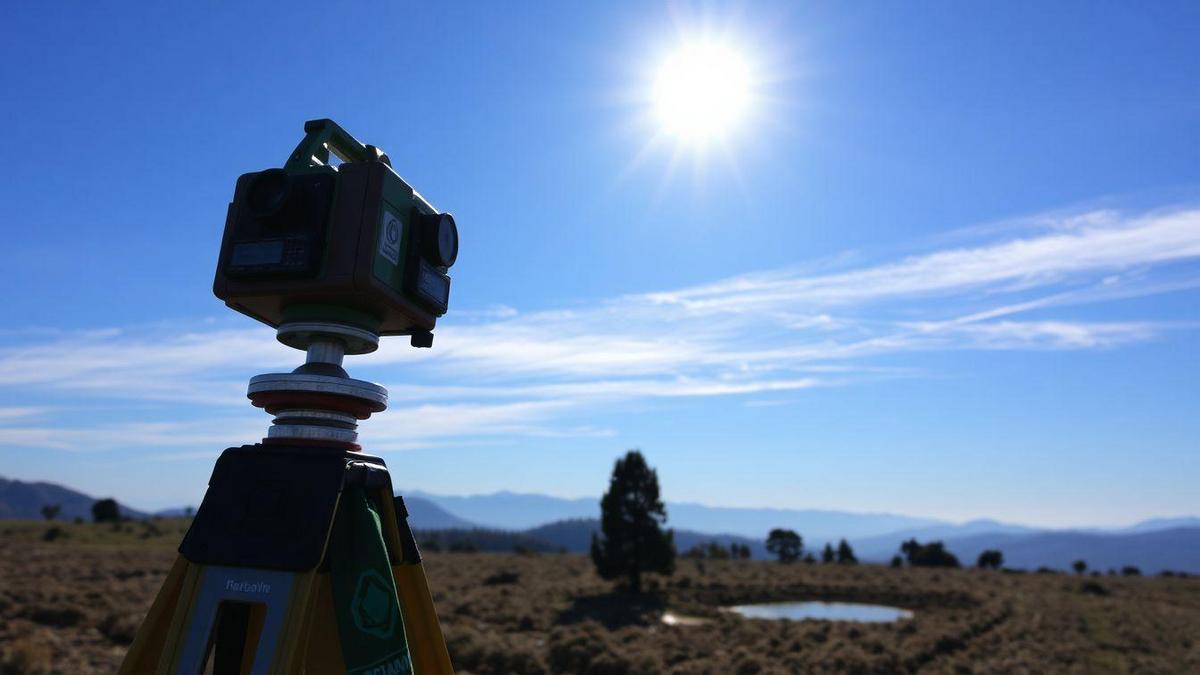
[933, 554]
[502, 579]
[990, 559]
[27, 656]
[120, 628]
[785, 544]
[106, 511]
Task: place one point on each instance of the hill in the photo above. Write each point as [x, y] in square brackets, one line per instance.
[19, 499]
[511, 510]
[426, 515]
[1175, 549]
[575, 535]
[516, 511]
[883, 547]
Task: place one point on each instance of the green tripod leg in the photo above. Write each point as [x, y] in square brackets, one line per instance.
[370, 625]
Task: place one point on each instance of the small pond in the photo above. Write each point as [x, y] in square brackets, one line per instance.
[827, 611]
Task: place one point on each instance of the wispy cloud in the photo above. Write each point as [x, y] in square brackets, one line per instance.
[21, 412]
[498, 373]
[1080, 245]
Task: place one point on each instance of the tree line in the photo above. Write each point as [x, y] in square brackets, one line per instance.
[788, 547]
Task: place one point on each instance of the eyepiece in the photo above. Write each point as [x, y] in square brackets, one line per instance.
[269, 192]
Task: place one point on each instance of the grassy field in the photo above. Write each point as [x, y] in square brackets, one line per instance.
[71, 605]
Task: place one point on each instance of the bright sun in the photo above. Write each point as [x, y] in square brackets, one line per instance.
[701, 91]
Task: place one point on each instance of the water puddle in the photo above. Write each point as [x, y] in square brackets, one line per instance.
[826, 611]
[672, 619]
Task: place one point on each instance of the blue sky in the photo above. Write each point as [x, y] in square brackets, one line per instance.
[946, 265]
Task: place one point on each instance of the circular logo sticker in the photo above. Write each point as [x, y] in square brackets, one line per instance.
[389, 240]
[374, 605]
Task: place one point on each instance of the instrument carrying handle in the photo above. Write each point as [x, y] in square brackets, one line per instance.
[324, 136]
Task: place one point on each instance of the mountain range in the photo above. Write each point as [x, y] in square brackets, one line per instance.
[1153, 545]
[516, 511]
[20, 499]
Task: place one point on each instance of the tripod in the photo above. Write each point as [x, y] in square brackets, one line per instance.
[298, 561]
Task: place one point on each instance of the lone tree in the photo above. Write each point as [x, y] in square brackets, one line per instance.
[631, 519]
[1079, 566]
[51, 511]
[785, 544]
[106, 511]
[990, 559]
[845, 554]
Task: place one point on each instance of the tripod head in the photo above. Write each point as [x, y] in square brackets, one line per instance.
[332, 257]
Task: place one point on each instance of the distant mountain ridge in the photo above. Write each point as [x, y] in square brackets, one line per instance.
[1176, 549]
[510, 510]
[516, 511]
[19, 499]
[572, 521]
[884, 546]
[426, 515]
[1154, 545]
[575, 535]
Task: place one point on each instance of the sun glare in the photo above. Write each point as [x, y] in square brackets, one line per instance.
[701, 91]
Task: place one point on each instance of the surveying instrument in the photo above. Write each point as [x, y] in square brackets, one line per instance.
[299, 561]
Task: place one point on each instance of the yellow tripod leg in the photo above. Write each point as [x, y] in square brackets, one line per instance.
[426, 645]
[142, 657]
[324, 649]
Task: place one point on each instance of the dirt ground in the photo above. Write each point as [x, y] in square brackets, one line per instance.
[72, 605]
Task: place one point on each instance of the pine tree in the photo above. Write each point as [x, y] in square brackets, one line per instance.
[827, 554]
[845, 554]
[631, 517]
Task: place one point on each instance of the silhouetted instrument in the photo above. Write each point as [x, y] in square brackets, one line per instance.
[299, 560]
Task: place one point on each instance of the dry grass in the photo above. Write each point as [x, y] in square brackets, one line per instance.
[71, 606]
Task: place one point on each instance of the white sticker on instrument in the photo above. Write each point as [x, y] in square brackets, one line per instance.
[389, 237]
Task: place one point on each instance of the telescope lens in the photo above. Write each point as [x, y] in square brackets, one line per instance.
[269, 192]
[441, 243]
